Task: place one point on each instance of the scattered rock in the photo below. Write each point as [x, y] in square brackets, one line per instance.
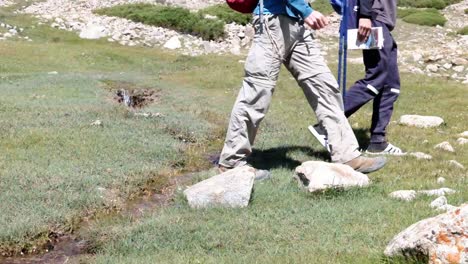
[441, 239]
[97, 123]
[173, 43]
[459, 61]
[458, 68]
[52, 73]
[432, 68]
[462, 141]
[93, 32]
[464, 134]
[439, 202]
[456, 164]
[441, 180]
[445, 146]
[421, 155]
[229, 189]
[149, 114]
[421, 121]
[405, 195]
[438, 192]
[319, 175]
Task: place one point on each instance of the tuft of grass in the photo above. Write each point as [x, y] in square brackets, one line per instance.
[226, 14]
[425, 17]
[176, 18]
[463, 31]
[437, 4]
[466, 11]
[323, 6]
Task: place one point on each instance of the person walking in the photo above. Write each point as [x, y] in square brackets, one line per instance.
[382, 79]
[284, 37]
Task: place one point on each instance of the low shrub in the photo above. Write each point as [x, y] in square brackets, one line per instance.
[323, 6]
[466, 11]
[176, 18]
[226, 14]
[463, 31]
[425, 17]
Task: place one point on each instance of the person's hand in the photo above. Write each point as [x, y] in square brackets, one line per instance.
[316, 20]
[364, 30]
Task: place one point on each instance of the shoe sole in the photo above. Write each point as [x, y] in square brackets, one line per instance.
[385, 153]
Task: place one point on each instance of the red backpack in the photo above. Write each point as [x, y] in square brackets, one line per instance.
[243, 6]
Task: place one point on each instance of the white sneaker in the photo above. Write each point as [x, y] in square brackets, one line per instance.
[321, 135]
[389, 150]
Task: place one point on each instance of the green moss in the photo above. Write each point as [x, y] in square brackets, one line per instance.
[463, 31]
[426, 17]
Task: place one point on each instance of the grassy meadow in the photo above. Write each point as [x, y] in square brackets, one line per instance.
[60, 174]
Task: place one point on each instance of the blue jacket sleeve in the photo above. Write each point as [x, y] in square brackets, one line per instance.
[299, 7]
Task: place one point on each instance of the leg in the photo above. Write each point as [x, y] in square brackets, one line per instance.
[322, 92]
[261, 72]
[383, 104]
[376, 64]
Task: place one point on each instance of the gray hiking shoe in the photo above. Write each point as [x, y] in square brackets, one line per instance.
[388, 150]
[366, 165]
[260, 175]
[320, 134]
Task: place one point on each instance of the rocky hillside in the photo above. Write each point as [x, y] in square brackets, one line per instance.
[435, 51]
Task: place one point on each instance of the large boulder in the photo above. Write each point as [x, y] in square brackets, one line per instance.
[319, 175]
[421, 121]
[229, 189]
[442, 239]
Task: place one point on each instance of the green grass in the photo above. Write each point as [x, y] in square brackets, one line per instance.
[425, 17]
[226, 14]
[466, 11]
[323, 6]
[463, 31]
[176, 18]
[53, 161]
[437, 4]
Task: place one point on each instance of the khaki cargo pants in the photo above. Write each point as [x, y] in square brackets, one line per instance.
[285, 41]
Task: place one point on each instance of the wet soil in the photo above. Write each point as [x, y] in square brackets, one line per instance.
[69, 248]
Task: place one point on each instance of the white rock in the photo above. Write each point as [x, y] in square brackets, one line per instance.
[173, 43]
[421, 155]
[93, 32]
[458, 68]
[438, 192]
[445, 146]
[417, 57]
[462, 141]
[438, 202]
[319, 175]
[432, 68]
[232, 188]
[97, 123]
[459, 61]
[464, 134]
[52, 73]
[442, 239]
[447, 66]
[441, 180]
[421, 121]
[456, 164]
[405, 195]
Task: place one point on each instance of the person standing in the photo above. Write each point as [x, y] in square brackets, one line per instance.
[284, 37]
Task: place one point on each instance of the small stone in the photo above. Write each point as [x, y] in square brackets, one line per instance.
[421, 155]
[417, 57]
[439, 202]
[462, 141]
[458, 68]
[93, 32]
[421, 121]
[97, 123]
[459, 61]
[445, 146]
[447, 66]
[173, 43]
[464, 134]
[52, 73]
[405, 195]
[438, 192]
[432, 68]
[232, 188]
[441, 180]
[456, 164]
[319, 175]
